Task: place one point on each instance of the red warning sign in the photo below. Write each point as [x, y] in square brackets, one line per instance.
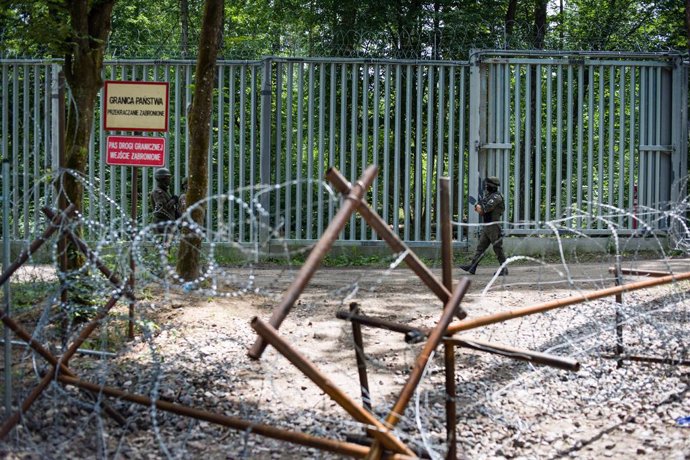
[135, 151]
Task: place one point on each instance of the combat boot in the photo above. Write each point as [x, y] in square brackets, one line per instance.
[469, 268]
[472, 267]
[503, 271]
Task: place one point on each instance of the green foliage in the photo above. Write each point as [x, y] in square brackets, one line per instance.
[446, 29]
[28, 294]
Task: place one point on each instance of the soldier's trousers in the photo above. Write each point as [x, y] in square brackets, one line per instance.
[490, 235]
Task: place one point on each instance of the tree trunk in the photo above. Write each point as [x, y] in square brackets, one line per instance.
[83, 67]
[510, 21]
[188, 261]
[184, 24]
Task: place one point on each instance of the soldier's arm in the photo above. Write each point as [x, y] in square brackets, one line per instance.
[493, 201]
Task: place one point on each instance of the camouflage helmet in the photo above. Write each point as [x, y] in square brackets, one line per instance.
[493, 180]
[161, 173]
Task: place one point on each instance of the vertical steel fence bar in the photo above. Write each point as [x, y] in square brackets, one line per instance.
[310, 154]
[343, 127]
[15, 152]
[220, 163]
[386, 167]
[408, 153]
[36, 149]
[364, 114]
[441, 158]
[321, 157]
[264, 150]
[121, 170]
[429, 154]
[492, 113]
[176, 99]
[538, 146]
[4, 145]
[280, 156]
[506, 152]
[580, 140]
[559, 141]
[450, 171]
[47, 146]
[611, 173]
[299, 152]
[656, 201]
[590, 144]
[528, 144]
[632, 186]
[353, 138]
[6, 237]
[621, 145]
[646, 164]
[397, 136]
[461, 152]
[375, 141]
[232, 153]
[517, 199]
[242, 153]
[569, 148]
[418, 155]
[600, 151]
[253, 150]
[95, 155]
[111, 169]
[25, 150]
[548, 179]
[332, 132]
[321, 149]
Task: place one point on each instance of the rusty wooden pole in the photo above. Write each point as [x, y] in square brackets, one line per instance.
[377, 322]
[93, 258]
[269, 431]
[432, 342]
[132, 265]
[378, 430]
[396, 244]
[619, 314]
[35, 245]
[361, 359]
[637, 272]
[415, 377]
[474, 323]
[13, 419]
[448, 347]
[89, 328]
[521, 354]
[316, 255]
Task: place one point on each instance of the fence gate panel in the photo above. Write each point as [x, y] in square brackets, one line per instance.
[578, 139]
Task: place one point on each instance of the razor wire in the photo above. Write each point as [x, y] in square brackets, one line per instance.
[445, 41]
[505, 408]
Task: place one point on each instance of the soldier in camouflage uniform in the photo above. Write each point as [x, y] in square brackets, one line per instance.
[491, 208]
[165, 205]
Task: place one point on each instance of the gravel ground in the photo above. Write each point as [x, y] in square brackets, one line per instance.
[191, 349]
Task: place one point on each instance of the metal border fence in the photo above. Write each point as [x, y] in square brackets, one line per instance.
[569, 135]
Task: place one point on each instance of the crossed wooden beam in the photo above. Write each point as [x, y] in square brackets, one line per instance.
[59, 364]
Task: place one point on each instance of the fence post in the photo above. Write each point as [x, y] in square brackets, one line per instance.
[475, 139]
[265, 159]
[6, 287]
[679, 128]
